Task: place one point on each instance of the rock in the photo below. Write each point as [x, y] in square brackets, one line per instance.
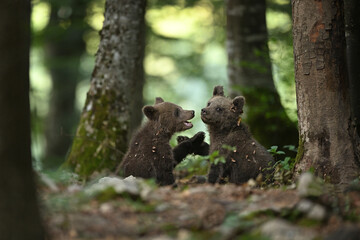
[310, 186]
[311, 210]
[274, 200]
[317, 212]
[130, 185]
[74, 188]
[304, 205]
[163, 207]
[251, 183]
[211, 215]
[278, 229]
[106, 208]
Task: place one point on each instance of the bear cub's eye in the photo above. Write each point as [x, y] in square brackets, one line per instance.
[208, 104]
[218, 109]
[177, 112]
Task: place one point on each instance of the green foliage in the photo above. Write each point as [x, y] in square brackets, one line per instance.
[62, 177]
[199, 165]
[193, 165]
[106, 195]
[274, 152]
[100, 139]
[185, 58]
[242, 225]
[215, 158]
[227, 147]
[283, 169]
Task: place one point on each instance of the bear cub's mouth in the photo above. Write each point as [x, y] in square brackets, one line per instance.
[204, 119]
[188, 124]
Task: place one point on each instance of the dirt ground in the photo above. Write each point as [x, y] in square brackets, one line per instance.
[199, 211]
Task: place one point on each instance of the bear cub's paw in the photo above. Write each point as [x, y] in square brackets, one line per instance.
[195, 144]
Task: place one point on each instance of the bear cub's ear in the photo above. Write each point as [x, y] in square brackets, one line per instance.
[218, 91]
[150, 112]
[238, 104]
[158, 100]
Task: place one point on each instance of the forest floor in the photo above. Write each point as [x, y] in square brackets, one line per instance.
[113, 208]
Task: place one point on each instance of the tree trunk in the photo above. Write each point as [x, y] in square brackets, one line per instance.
[64, 47]
[352, 33]
[250, 74]
[327, 141]
[113, 106]
[19, 213]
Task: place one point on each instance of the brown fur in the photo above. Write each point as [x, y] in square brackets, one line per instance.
[222, 116]
[150, 154]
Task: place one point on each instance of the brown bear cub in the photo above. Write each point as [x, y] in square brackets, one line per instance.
[248, 158]
[150, 154]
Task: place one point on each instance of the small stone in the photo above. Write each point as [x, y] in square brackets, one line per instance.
[73, 188]
[308, 185]
[317, 212]
[106, 208]
[251, 183]
[304, 205]
[282, 230]
[162, 207]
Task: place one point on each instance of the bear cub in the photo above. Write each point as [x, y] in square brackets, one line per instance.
[248, 158]
[150, 154]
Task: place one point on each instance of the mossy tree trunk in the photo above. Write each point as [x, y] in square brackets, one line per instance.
[322, 90]
[63, 50]
[250, 74]
[19, 210]
[113, 106]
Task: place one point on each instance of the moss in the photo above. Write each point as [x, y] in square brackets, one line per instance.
[100, 140]
[306, 222]
[300, 151]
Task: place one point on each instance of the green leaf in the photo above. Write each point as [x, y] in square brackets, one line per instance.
[291, 148]
[227, 147]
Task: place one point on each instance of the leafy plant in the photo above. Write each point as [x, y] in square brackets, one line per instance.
[199, 165]
[215, 158]
[282, 170]
[274, 151]
[227, 147]
[193, 165]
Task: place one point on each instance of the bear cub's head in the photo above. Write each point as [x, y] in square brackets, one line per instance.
[169, 116]
[221, 111]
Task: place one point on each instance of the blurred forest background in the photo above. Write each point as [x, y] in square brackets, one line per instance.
[185, 57]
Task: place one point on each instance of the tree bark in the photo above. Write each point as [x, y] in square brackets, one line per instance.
[64, 48]
[327, 141]
[19, 213]
[249, 72]
[352, 33]
[113, 106]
